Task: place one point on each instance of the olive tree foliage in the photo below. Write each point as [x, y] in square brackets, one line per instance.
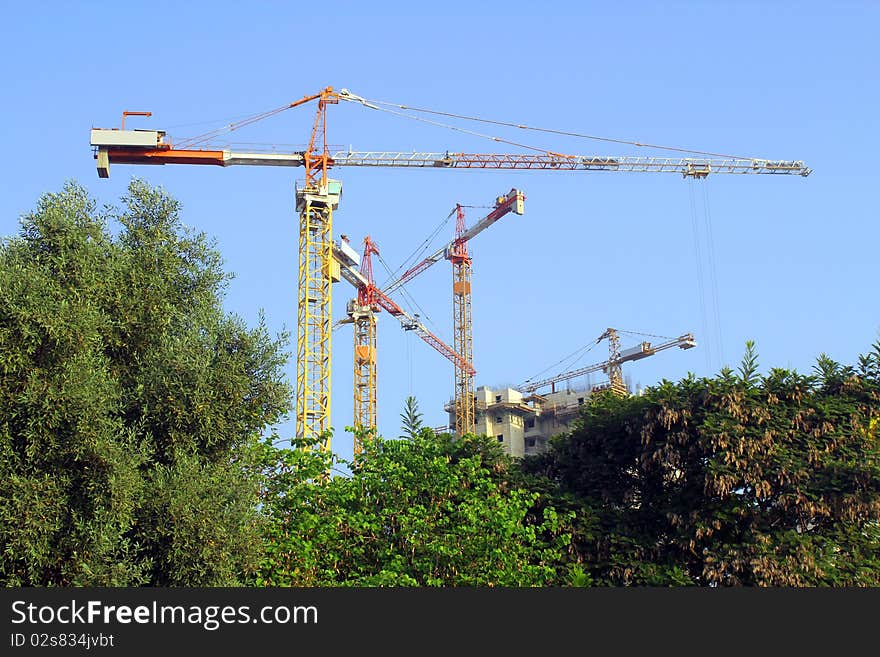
[131, 404]
[738, 480]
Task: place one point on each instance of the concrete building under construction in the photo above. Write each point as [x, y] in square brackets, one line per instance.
[523, 423]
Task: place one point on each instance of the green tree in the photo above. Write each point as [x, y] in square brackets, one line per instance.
[130, 403]
[767, 480]
[430, 511]
[411, 418]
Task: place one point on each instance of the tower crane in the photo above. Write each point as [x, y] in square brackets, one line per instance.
[362, 313]
[318, 197]
[612, 366]
[462, 305]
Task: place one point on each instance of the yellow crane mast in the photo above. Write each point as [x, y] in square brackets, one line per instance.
[362, 313]
[463, 327]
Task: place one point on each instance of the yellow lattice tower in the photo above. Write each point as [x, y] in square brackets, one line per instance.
[364, 375]
[464, 345]
[462, 312]
[315, 202]
[314, 327]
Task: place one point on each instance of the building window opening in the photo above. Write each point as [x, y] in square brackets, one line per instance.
[500, 438]
[530, 423]
[497, 399]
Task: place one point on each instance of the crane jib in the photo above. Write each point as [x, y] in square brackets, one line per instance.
[149, 147]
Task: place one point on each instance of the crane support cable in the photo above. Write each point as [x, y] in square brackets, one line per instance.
[713, 273]
[226, 121]
[407, 297]
[473, 133]
[207, 136]
[580, 353]
[199, 139]
[647, 335]
[552, 131]
[424, 246]
[700, 282]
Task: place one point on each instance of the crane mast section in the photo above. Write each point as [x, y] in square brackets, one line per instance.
[314, 326]
[364, 375]
[465, 406]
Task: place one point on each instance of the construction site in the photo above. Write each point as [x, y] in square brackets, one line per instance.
[522, 417]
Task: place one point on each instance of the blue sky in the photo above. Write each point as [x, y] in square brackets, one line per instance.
[795, 259]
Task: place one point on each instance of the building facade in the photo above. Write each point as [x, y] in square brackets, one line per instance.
[523, 424]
